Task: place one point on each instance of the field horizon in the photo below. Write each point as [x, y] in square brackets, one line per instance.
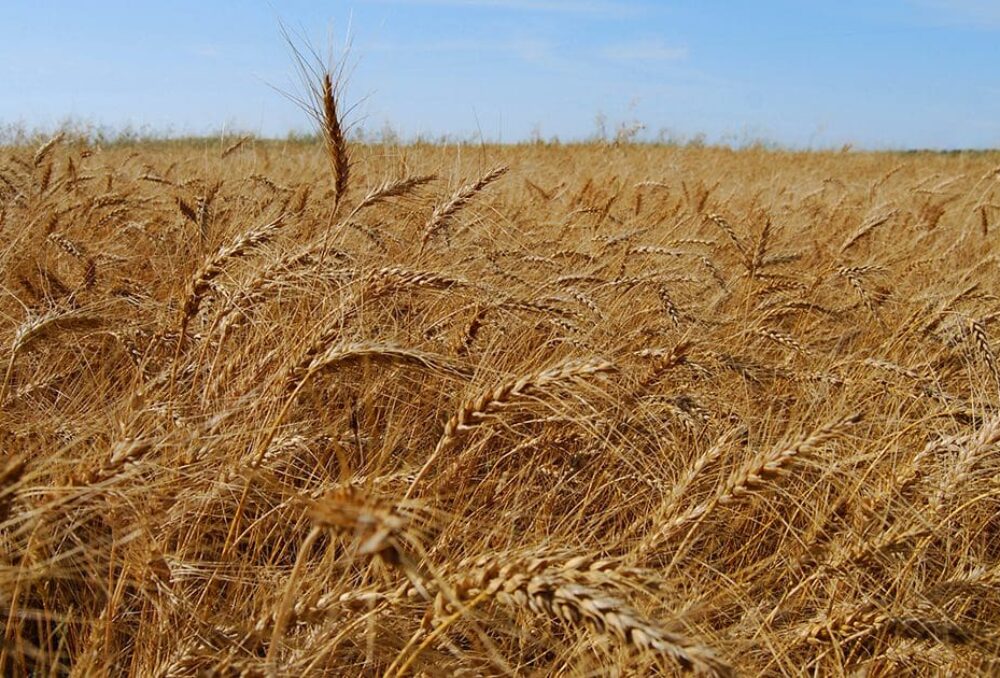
[17, 135]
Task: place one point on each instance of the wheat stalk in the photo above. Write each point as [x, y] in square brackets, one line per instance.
[475, 412]
[756, 476]
[444, 212]
[201, 284]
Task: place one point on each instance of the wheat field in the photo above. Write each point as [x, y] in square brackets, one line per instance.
[560, 410]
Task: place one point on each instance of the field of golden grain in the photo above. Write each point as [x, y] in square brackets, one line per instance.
[331, 409]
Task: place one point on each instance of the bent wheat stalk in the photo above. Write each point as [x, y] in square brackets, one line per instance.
[443, 213]
[201, 283]
[473, 413]
[391, 188]
[755, 477]
[37, 327]
[569, 591]
[335, 356]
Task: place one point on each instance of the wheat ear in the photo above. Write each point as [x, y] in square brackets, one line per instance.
[474, 412]
[570, 591]
[443, 213]
[760, 473]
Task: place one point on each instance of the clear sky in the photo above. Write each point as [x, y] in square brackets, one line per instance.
[874, 73]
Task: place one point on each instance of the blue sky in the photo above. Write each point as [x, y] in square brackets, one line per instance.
[877, 73]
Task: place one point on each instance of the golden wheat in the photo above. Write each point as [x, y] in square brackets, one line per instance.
[283, 408]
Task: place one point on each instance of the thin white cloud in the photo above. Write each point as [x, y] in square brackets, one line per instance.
[528, 50]
[983, 14]
[564, 6]
[645, 50]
